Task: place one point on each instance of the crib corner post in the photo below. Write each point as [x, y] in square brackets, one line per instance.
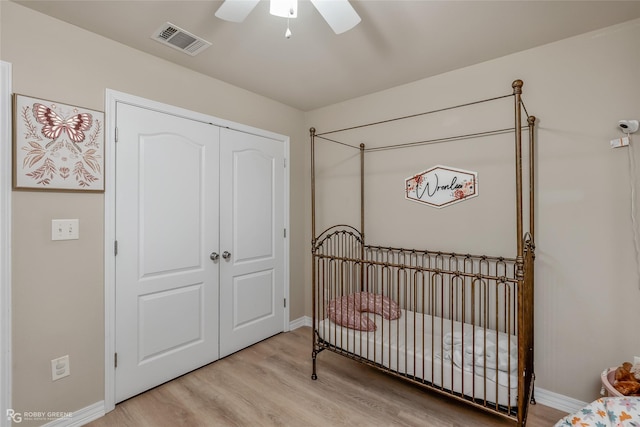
[314, 375]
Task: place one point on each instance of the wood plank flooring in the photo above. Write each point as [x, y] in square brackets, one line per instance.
[269, 384]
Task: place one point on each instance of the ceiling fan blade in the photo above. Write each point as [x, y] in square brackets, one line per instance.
[235, 10]
[339, 14]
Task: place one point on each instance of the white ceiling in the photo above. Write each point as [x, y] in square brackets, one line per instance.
[397, 41]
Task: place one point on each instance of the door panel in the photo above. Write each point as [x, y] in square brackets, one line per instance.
[252, 231]
[166, 226]
[253, 214]
[159, 333]
[255, 292]
[176, 196]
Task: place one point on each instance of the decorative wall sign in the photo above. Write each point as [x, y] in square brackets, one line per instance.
[442, 186]
[56, 146]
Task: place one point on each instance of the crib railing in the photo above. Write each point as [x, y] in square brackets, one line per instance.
[451, 303]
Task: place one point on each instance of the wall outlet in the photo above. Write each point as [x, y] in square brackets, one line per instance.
[65, 229]
[60, 368]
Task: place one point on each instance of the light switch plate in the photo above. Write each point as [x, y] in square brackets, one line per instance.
[65, 229]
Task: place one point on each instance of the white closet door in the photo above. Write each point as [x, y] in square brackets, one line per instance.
[166, 227]
[251, 238]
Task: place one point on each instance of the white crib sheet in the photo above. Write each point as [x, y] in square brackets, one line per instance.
[399, 345]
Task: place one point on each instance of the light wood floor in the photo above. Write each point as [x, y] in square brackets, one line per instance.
[269, 384]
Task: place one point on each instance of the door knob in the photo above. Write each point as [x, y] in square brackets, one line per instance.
[214, 256]
[226, 255]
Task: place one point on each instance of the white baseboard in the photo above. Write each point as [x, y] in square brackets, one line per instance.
[80, 417]
[558, 401]
[300, 322]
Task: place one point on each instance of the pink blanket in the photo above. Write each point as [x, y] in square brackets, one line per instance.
[349, 310]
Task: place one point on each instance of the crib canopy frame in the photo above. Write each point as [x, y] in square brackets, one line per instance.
[513, 273]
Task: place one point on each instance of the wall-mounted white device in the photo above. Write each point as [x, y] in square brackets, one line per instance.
[629, 126]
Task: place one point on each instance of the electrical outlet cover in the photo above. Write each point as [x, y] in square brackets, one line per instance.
[60, 368]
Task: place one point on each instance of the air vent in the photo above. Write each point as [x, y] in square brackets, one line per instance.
[180, 39]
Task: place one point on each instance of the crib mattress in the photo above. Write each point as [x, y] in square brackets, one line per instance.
[413, 345]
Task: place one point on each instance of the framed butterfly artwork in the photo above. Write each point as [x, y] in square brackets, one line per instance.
[57, 147]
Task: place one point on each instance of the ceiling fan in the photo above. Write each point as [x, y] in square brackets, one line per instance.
[339, 14]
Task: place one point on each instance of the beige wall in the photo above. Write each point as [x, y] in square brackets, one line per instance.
[58, 286]
[587, 285]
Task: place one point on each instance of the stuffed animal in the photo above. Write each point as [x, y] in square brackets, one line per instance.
[627, 379]
[635, 370]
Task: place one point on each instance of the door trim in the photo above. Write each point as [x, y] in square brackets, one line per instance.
[112, 98]
[5, 238]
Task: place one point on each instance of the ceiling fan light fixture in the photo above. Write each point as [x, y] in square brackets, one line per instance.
[339, 14]
[284, 8]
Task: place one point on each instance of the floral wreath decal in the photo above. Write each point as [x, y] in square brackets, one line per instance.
[57, 146]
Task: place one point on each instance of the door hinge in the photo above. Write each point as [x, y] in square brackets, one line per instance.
[285, 303]
[285, 162]
[115, 360]
[285, 233]
[116, 133]
[115, 247]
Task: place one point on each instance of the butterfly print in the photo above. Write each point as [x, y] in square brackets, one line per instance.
[53, 125]
[59, 146]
